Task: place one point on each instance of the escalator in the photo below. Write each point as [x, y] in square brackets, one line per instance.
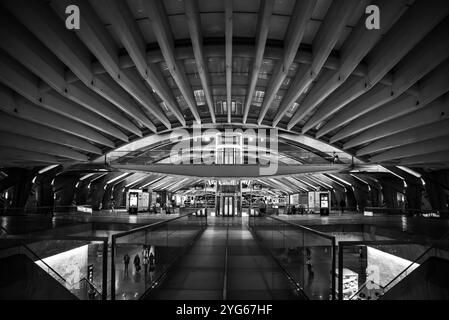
[22, 279]
[430, 281]
[25, 276]
[226, 262]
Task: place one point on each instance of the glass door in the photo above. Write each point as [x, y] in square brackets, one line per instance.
[228, 206]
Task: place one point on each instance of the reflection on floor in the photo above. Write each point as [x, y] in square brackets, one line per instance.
[200, 274]
[166, 246]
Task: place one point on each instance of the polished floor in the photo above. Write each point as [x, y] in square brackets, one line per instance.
[226, 262]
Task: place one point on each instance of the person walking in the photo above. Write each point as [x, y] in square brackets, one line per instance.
[152, 261]
[342, 205]
[126, 261]
[309, 267]
[145, 264]
[137, 263]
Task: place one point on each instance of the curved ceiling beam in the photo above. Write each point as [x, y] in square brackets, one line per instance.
[424, 58]
[437, 157]
[432, 86]
[318, 147]
[19, 107]
[355, 48]
[26, 143]
[147, 181]
[414, 149]
[263, 25]
[194, 23]
[129, 33]
[228, 171]
[434, 112]
[299, 183]
[287, 185]
[302, 13]
[161, 29]
[32, 54]
[38, 17]
[413, 26]
[303, 57]
[38, 131]
[214, 50]
[95, 36]
[410, 136]
[330, 31]
[24, 82]
[10, 155]
[228, 54]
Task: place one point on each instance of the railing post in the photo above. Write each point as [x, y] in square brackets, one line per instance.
[104, 292]
[340, 271]
[334, 246]
[113, 267]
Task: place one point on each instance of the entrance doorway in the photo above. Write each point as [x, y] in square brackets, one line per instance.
[228, 206]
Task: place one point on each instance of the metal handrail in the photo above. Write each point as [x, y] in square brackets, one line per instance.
[415, 261]
[225, 273]
[287, 274]
[343, 244]
[138, 229]
[21, 238]
[91, 285]
[150, 226]
[363, 287]
[162, 276]
[324, 235]
[36, 256]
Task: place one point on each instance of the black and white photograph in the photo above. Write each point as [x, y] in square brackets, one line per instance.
[225, 156]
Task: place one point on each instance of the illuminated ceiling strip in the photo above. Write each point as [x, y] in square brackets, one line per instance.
[96, 178]
[319, 181]
[355, 177]
[48, 168]
[117, 178]
[306, 183]
[395, 174]
[153, 181]
[339, 179]
[135, 181]
[176, 185]
[296, 181]
[410, 171]
[161, 182]
[336, 182]
[86, 176]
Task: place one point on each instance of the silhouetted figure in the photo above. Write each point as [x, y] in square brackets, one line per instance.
[126, 259]
[334, 158]
[342, 205]
[152, 261]
[309, 267]
[137, 263]
[145, 264]
[262, 208]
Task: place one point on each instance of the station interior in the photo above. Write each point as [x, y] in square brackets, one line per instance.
[224, 149]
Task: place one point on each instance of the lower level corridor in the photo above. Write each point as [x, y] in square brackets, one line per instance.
[226, 262]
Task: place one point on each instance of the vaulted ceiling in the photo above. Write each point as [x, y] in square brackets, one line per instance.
[143, 68]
